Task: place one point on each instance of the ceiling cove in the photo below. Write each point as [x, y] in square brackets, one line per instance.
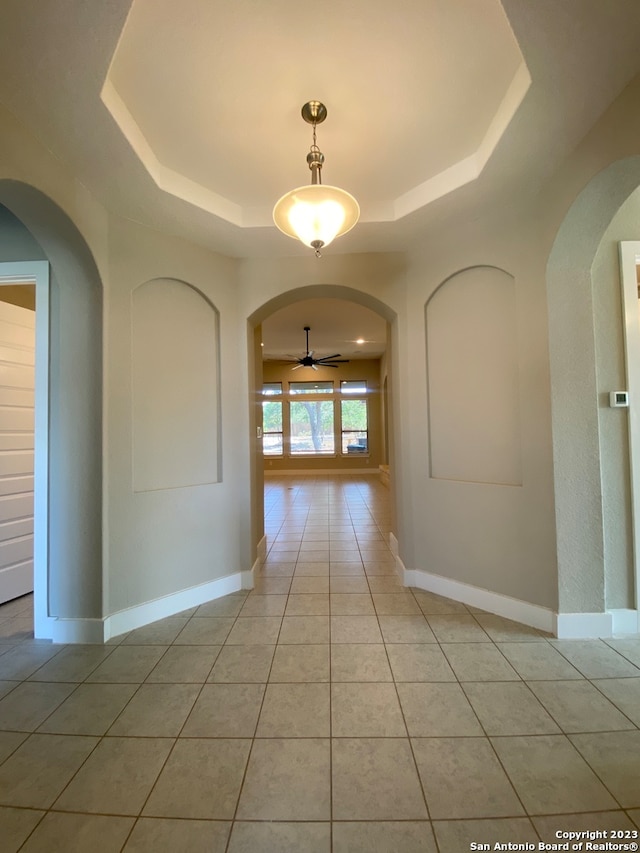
[208, 96]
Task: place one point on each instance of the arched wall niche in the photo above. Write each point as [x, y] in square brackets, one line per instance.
[75, 398]
[254, 321]
[176, 387]
[577, 447]
[473, 381]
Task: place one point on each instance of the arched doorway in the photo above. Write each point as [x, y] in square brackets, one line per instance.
[579, 325]
[254, 321]
[38, 230]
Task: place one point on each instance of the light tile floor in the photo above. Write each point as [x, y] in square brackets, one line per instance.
[328, 710]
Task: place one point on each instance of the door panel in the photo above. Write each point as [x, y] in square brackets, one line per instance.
[16, 485]
[13, 529]
[17, 355]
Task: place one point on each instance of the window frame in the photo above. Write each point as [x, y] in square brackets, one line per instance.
[337, 396]
[343, 432]
[273, 396]
[302, 399]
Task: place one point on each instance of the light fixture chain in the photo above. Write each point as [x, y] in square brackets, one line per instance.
[315, 157]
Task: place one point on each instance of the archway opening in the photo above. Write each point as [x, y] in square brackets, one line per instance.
[585, 343]
[34, 229]
[339, 434]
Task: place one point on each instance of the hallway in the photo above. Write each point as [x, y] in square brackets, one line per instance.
[327, 710]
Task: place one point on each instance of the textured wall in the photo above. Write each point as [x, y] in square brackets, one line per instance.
[75, 395]
[472, 379]
[578, 456]
[175, 366]
[613, 423]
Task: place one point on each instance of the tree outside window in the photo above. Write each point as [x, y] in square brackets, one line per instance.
[272, 432]
[355, 436]
[272, 436]
[311, 423]
[318, 418]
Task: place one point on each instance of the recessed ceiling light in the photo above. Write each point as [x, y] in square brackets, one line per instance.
[360, 341]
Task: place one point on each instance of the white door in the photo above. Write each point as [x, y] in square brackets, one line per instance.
[17, 396]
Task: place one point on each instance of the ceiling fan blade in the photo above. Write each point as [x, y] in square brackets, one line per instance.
[314, 367]
[335, 361]
[328, 357]
[329, 365]
[297, 367]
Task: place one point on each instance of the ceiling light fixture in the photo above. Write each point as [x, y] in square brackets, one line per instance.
[317, 213]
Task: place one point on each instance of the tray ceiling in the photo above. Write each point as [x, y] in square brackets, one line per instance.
[185, 117]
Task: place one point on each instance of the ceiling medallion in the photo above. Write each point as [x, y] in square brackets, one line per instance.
[317, 213]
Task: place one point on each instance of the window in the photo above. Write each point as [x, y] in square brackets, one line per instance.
[311, 421]
[311, 427]
[353, 420]
[318, 419]
[272, 433]
[351, 386]
[311, 387]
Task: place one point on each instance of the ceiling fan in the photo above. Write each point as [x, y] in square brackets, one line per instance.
[309, 361]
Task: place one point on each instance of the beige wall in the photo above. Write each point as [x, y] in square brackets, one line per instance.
[501, 537]
[576, 208]
[157, 542]
[74, 409]
[473, 384]
[495, 536]
[613, 423]
[167, 539]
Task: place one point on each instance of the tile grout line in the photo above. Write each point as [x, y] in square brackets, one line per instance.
[488, 739]
[521, 679]
[253, 738]
[331, 815]
[409, 739]
[173, 644]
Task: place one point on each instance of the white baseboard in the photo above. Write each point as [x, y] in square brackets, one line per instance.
[625, 622]
[402, 572]
[100, 630]
[394, 545]
[565, 626]
[168, 605]
[261, 550]
[249, 578]
[502, 605]
[76, 631]
[583, 626]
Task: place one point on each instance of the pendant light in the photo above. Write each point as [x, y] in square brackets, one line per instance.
[317, 213]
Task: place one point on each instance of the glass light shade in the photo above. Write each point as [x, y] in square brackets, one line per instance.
[316, 212]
